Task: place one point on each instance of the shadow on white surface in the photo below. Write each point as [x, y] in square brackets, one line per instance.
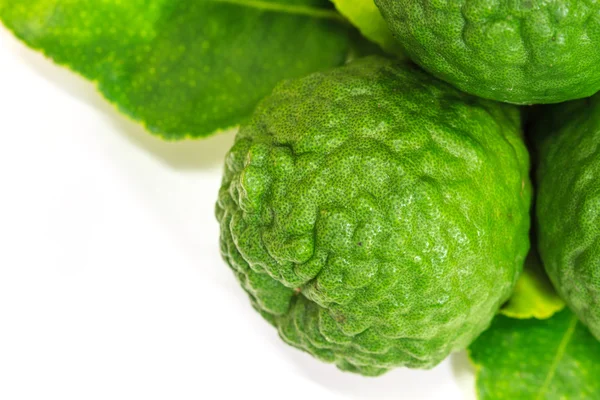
[401, 383]
[186, 154]
[438, 383]
[452, 378]
[189, 154]
[464, 373]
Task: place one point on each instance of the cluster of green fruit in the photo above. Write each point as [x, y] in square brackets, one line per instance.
[379, 215]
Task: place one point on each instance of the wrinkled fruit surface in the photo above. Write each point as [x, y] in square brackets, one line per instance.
[568, 204]
[376, 216]
[523, 52]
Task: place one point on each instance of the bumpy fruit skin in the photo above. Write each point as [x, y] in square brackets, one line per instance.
[522, 52]
[376, 216]
[568, 204]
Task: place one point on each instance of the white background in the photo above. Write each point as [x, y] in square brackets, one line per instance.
[111, 282]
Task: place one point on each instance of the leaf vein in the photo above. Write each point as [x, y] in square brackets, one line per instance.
[560, 352]
[285, 8]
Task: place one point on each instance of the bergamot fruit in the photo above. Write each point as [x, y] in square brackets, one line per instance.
[376, 216]
[568, 204]
[523, 52]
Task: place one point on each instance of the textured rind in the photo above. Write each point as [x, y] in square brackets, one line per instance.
[376, 216]
[568, 204]
[522, 52]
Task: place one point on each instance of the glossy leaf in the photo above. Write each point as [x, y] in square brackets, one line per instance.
[531, 359]
[365, 15]
[534, 296]
[183, 68]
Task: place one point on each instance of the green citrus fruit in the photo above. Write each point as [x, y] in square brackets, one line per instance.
[523, 52]
[376, 216]
[568, 204]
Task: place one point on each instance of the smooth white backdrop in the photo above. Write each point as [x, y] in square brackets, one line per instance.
[111, 282]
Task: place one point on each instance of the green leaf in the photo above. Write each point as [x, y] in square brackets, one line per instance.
[532, 359]
[365, 15]
[183, 68]
[534, 296]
